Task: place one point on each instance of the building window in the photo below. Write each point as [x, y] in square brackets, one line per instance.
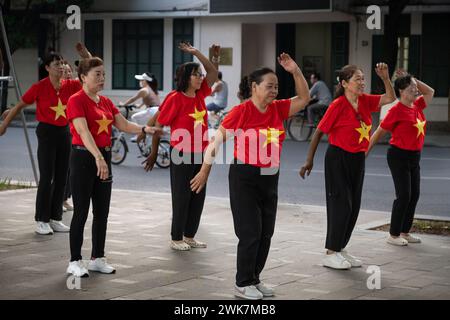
[93, 37]
[435, 52]
[403, 53]
[183, 30]
[137, 48]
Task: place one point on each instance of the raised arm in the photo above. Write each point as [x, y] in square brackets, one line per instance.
[383, 72]
[211, 71]
[302, 98]
[83, 52]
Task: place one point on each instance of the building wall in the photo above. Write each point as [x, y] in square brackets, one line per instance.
[320, 35]
[26, 64]
[252, 39]
[257, 51]
[227, 33]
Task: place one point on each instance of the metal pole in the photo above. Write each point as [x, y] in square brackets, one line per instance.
[19, 95]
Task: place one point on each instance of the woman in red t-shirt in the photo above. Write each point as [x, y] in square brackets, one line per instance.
[347, 123]
[91, 117]
[50, 96]
[184, 110]
[257, 127]
[406, 121]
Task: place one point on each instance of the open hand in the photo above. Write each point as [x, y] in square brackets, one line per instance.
[187, 47]
[287, 63]
[306, 168]
[382, 70]
[199, 182]
[83, 51]
[149, 163]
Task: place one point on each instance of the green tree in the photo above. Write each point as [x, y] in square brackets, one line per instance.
[22, 18]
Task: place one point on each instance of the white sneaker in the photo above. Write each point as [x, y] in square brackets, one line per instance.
[195, 243]
[266, 291]
[336, 261]
[180, 246]
[248, 292]
[133, 139]
[399, 241]
[43, 228]
[58, 226]
[412, 239]
[100, 265]
[356, 263]
[77, 269]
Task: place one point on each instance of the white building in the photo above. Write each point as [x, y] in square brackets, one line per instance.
[135, 36]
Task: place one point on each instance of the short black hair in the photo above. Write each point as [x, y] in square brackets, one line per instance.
[219, 75]
[402, 83]
[183, 75]
[52, 56]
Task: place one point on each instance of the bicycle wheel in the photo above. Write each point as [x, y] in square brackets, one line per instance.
[163, 159]
[145, 146]
[298, 128]
[118, 150]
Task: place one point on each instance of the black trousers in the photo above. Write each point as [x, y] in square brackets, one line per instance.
[405, 169]
[86, 185]
[187, 206]
[253, 199]
[344, 177]
[53, 158]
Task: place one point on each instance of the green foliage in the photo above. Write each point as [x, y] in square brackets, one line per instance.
[21, 21]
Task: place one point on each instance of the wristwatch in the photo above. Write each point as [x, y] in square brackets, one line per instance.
[143, 130]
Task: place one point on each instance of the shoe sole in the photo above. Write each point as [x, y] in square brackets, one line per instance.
[85, 275]
[99, 271]
[397, 244]
[242, 296]
[324, 265]
[44, 234]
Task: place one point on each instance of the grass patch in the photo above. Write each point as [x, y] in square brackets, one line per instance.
[6, 184]
[424, 226]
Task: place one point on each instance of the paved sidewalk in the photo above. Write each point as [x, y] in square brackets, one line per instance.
[33, 266]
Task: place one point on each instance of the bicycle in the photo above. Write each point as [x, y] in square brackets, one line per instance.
[220, 115]
[120, 148]
[163, 159]
[298, 126]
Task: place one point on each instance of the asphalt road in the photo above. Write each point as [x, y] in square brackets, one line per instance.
[378, 192]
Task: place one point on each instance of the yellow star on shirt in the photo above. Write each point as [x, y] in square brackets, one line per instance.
[364, 131]
[420, 127]
[272, 136]
[103, 124]
[198, 117]
[59, 110]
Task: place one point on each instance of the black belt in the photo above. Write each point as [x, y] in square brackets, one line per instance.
[78, 147]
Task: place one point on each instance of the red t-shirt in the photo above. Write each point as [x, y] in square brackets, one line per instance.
[258, 137]
[51, 105]
[408, 125]
[187, 118]
[346, 128]
[99, 118]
